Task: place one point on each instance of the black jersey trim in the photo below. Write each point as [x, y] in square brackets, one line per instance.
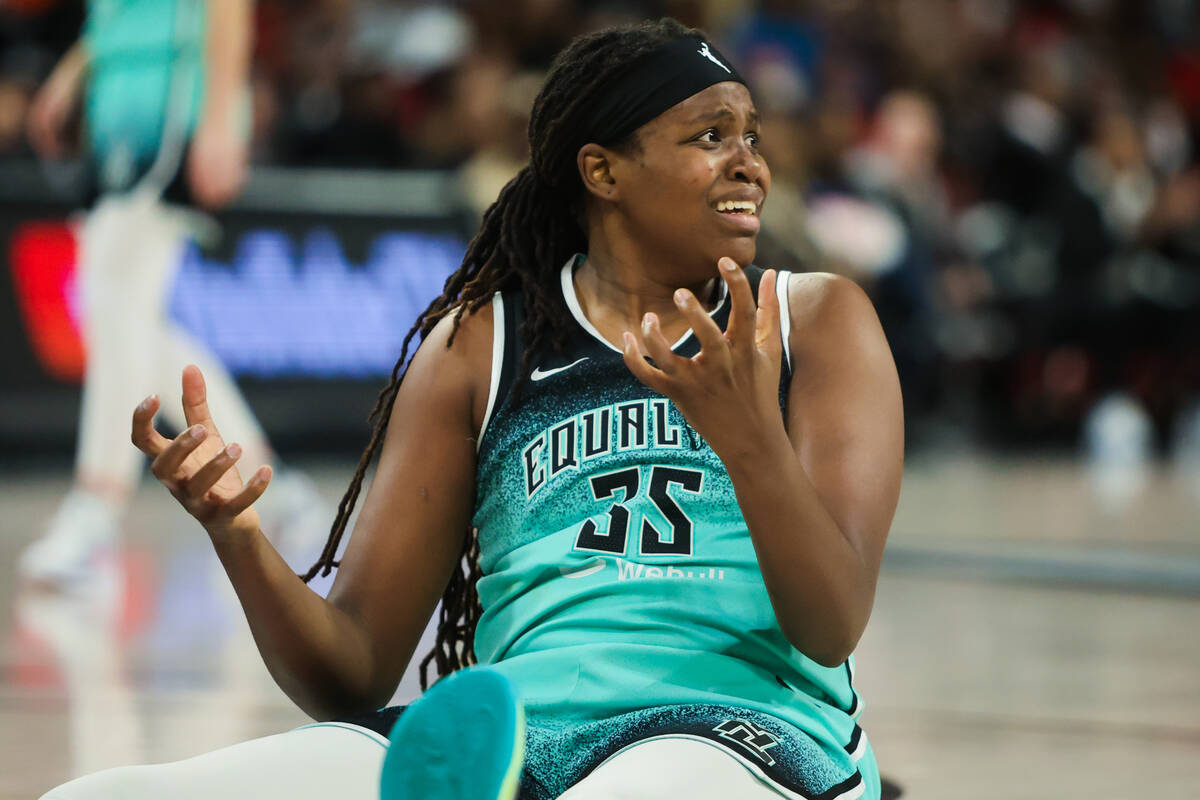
[849, 789]
[855, 709]
[496, 378]
[754, 276]
[507, 331]
[566, 279]
[380, 723]
[855, 747]
[590, 341]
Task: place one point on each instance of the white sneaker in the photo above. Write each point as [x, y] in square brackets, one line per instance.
[1119, 436]
[82, 531]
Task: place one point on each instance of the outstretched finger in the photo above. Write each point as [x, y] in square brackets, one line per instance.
[210, 473]
[739, 331]
[167, 466]
[654, 344]
[253, 490]
[635, 359]
[766, 324]
[707, 332]
[195, 399]
[143, 434]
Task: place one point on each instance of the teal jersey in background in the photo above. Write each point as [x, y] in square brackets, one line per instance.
[146, 80]
[618, 571]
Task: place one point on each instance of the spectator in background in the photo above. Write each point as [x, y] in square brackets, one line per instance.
[31, 36]
[165, 117]
[779, 48]
[14, 103]
[896, 172]
[993, 263]
[501, 157]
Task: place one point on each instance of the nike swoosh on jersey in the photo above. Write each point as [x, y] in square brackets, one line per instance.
[541, 374]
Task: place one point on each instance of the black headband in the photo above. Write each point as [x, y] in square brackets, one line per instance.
[653, 83]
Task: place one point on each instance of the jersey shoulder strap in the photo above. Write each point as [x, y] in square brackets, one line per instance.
[512, 306]
[508, 347]
[754, 276]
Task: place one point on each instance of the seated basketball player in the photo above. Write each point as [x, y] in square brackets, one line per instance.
[670, 475]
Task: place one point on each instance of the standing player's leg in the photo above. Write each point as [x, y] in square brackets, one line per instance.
[130, 252]
[130, 247]
[294, 516]
[123, 271]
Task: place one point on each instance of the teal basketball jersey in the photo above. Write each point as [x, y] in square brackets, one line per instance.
[145, 82]
[618, 571]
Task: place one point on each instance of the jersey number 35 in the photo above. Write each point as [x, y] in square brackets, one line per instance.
[676, 541]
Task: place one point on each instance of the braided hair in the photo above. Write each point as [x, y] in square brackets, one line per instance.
[531, 229]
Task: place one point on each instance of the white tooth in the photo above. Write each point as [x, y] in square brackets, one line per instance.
[737, 205]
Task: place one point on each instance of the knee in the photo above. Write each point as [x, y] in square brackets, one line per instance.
[627, 778]
[669, 768]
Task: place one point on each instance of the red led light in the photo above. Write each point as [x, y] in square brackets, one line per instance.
[43, 256]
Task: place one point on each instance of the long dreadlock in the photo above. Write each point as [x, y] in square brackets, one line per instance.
[524, 238]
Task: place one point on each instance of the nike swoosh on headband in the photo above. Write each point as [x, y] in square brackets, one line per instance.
[541, 374]
[704, 51]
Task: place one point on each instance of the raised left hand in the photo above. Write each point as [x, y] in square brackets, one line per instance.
[729, 391]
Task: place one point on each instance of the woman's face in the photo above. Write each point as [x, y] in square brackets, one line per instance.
[692, 161]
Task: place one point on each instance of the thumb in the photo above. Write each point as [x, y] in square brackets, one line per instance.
[195, 400]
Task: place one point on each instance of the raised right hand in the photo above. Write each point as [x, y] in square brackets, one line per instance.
[197, 466]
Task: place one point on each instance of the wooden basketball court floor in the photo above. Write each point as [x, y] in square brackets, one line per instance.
[1032, 638]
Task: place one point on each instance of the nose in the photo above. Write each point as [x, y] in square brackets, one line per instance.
[744, 164]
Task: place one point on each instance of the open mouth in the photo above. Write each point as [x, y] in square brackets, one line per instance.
[737, 207]
[741, 214]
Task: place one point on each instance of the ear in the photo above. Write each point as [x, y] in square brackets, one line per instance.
[595, 165]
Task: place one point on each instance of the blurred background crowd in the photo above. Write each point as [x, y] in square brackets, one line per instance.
[1015, 182]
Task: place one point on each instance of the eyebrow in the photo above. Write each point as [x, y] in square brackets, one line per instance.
[722, 114]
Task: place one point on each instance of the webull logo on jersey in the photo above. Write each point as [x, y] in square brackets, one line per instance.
[620, 427]
[631, 571]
